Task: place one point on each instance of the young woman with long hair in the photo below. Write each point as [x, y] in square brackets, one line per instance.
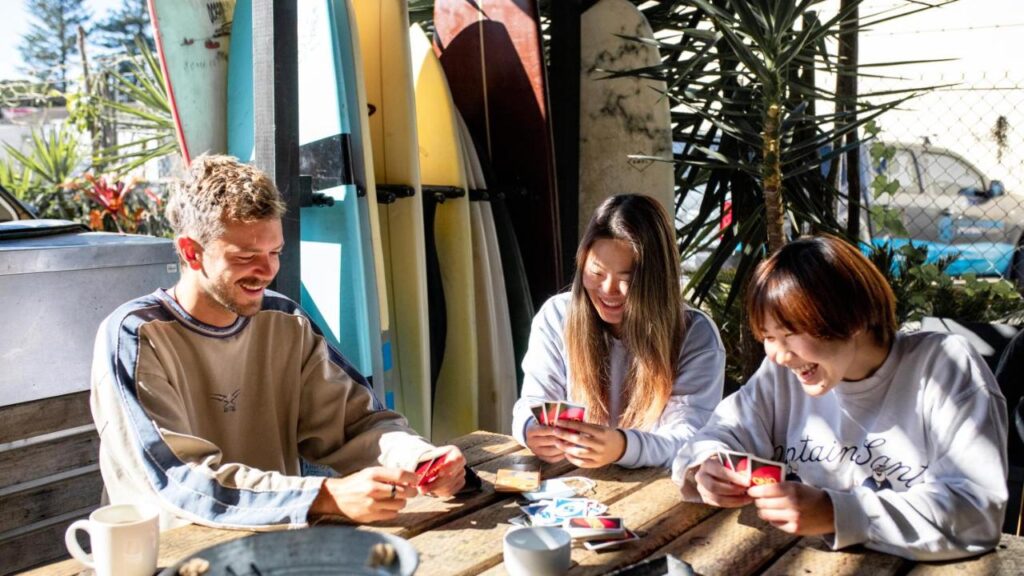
[622, 343]
[894, 441]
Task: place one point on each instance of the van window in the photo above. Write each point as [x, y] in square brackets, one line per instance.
[947, 175]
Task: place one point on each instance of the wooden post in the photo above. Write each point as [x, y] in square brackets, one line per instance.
[564, 77]
[847, 93]
[275, 79]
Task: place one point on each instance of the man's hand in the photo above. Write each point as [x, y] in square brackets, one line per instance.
[719, 486]
[543, 442]
[369, 495]
[451, 476]
[795, 508]
[589, 445]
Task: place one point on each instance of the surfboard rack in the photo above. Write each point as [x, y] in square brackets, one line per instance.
[479, 195]
[441, 193]
[388, 193]
[309, 198]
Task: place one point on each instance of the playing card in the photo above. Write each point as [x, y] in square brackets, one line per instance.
[737, 462]
[538, 413]
[551, 410]
[555, 488]
[521, 520]
[426, 471]
[534, 509]
[766, 471]
[570, 411]
[589, 527]
[572, 507]
[509, 480]
[579, 484]
[611, 542]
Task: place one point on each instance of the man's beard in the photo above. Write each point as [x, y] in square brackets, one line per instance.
[222, 294]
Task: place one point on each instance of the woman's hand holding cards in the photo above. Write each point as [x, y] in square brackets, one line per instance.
[794, 507]
[441, 472]
[543, 442]
[589, 445]
[720, 486]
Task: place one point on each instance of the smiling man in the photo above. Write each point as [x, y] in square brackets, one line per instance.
[210, 396]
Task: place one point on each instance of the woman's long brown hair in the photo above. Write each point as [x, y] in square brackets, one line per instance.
[652, 328]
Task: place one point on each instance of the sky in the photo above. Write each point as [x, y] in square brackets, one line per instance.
[15, 23]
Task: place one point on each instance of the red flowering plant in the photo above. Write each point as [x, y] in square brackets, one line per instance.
[118, 206]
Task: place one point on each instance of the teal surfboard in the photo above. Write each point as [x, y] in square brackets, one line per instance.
[338, 281]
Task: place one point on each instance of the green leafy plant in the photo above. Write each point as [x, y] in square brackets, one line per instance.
[45, 173]
[924, 289]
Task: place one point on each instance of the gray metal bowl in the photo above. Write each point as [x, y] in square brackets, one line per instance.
[337, 550]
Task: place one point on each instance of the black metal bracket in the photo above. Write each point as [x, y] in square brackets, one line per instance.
[479, 195]
[441, 193]
[388, 193]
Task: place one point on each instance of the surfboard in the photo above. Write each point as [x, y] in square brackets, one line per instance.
[626, 147]
[456, 391]
[335, 274]
[362, 152]
[387, 73]
[497, 371]
[192, 41]
[491, 53]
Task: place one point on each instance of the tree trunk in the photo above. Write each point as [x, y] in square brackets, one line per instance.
[846, 90]
[771, 170]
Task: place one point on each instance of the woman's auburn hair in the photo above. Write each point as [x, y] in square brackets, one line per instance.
[824, 287]
[652, 328]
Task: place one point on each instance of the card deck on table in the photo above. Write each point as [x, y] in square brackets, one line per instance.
[509, 480]
[612, 542]
[566, 487]
[594, 527]
[426, 471]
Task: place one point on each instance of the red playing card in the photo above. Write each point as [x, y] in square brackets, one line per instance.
[538, 414]
[428, 469]
[766, 472]
[551, 410]
[572, 411]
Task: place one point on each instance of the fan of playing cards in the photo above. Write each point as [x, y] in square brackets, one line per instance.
[755, 470]
[549, 413]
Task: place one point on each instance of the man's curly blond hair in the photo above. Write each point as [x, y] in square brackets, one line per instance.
[218, 189]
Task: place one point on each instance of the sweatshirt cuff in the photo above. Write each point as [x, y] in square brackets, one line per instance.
[852, 522]
[411, 456]
[631, 456]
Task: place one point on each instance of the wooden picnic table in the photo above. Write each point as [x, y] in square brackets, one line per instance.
[464, 536]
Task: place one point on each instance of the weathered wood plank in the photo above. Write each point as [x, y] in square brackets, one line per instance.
[38, 417]
[479, 447]
[732, 542]
[39, 547]
[1007, 558]
[76, 492]
[810, 557]
[473, 543]
[37, 460]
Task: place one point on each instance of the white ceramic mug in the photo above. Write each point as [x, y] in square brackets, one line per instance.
[537, 551]
[125, 539]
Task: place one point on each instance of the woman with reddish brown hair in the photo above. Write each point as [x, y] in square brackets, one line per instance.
[647, 369]
[894, 441]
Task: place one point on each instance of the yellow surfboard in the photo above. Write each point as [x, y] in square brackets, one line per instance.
[496, 367]
[387, 73]
[456, 393]
[362, 150]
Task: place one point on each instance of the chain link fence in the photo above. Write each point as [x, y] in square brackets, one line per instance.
[946, 171]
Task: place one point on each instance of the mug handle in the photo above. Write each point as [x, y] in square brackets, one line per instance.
[72, 542]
